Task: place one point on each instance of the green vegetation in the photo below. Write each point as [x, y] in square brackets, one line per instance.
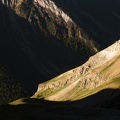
[10, 90]
[108, 66]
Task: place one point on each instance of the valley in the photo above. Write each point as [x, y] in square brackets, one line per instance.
[59, 60]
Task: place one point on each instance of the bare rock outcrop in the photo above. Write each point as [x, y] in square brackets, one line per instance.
[48, 4]
[11, 2]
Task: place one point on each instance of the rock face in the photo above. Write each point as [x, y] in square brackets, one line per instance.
[98, 70]
[11, 2]
[48, 4]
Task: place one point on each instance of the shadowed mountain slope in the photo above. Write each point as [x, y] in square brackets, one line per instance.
[99, 18]
[97, 106]
[37, 44]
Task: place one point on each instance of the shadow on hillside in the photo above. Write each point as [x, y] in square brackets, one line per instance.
[101, 106]
[95, 18]
[104, 98]
[29, 55]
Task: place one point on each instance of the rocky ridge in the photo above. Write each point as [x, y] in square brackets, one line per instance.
[51, 20]
[48, 4]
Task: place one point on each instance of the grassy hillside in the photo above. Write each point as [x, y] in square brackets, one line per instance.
[100, 72]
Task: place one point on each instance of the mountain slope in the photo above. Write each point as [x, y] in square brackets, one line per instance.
[38, 43]
[98, 73]
[99, 18]
[88, 92]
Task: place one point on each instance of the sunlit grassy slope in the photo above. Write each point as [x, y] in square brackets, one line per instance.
[100, 72]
